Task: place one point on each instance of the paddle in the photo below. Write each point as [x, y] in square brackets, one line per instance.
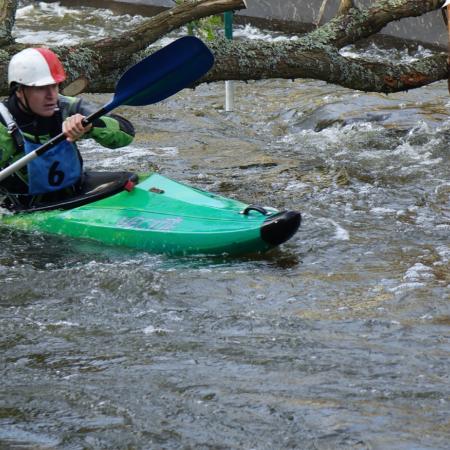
[151, 80]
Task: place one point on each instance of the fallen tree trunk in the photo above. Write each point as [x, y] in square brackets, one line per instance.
[314, 55]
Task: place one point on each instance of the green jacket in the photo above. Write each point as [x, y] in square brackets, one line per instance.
[111, 131]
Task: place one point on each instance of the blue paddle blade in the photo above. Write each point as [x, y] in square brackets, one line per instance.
[162, 74]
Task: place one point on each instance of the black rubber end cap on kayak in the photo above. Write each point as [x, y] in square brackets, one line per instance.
[281, 227]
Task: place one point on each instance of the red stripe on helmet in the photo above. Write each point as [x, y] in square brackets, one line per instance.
[54, 64]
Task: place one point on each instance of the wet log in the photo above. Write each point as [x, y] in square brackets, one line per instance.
[313, 55]
[296, 60]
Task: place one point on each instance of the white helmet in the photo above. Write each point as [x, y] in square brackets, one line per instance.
[35, 67]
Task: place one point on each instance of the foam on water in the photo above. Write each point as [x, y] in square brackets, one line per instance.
[138, 157]
[375, 53]
[253, 33]
[68, 25]
[418, 272]
[156, 330]
[24, 11]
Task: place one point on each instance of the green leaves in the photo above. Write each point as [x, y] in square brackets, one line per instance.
[206, 28]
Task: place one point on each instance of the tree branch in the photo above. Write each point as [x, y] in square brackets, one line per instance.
[7, 18]
[362, 23]
[314, 55]
[344, 7]
[294, 60]
[161, 24]
[112, 55]
[321, 12]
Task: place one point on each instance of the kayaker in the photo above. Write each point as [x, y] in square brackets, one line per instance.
[34, 112]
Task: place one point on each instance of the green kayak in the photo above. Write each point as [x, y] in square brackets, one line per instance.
[159, 215]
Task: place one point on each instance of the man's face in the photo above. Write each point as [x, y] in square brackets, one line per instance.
[42, 100]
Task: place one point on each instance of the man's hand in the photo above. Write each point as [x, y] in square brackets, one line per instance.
[73, 127]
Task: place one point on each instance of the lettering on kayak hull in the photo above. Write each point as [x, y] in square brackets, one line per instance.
[141, 223]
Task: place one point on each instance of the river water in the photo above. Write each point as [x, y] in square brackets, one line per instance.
[339, 339]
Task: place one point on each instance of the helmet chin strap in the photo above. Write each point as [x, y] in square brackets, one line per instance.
[25, 106]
